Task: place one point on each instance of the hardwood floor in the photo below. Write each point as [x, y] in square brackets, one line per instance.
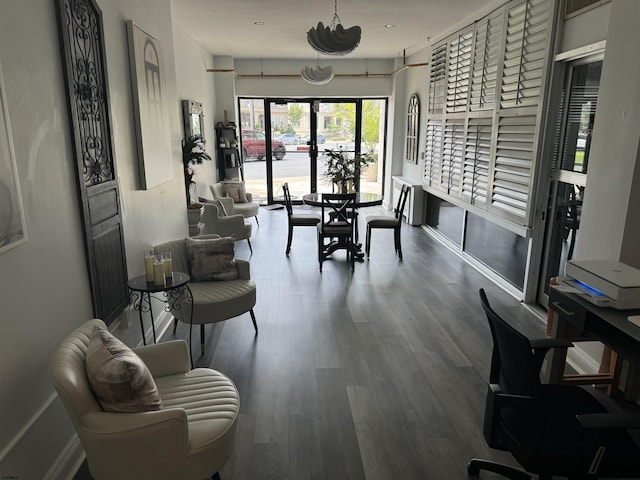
[374, 374]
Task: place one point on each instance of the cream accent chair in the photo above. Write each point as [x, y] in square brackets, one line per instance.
[225, 226]
[213, 301]
[247, 209]
[191, 437]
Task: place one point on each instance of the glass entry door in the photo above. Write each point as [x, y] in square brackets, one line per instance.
[291, 126]
[284, 140]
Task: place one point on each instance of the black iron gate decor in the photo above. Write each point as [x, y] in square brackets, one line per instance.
[82, 48]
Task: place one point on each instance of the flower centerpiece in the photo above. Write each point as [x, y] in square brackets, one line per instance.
[193, 153]
[343, 168]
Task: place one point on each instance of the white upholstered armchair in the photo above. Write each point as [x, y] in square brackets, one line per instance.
[220, 191]
[216, 300]
[183, 439]
[220, 223]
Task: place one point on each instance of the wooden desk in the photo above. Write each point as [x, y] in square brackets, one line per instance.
[579, 320]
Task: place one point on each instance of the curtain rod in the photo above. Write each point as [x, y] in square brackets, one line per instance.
[342, 75]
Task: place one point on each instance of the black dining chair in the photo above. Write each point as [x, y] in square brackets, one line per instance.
[296, 219]
[337, 224]
[393, 223]
[551, 429]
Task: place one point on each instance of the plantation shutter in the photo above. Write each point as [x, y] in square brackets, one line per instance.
[485, 63]
[524, 56]
[437, 79]
[458, 72]
[452, 151]
[482, 148]
[477, 159]
[513, 165]
[432, 164]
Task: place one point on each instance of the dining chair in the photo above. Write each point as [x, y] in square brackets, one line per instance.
[388, 222]
[296, 219]
[337, 224]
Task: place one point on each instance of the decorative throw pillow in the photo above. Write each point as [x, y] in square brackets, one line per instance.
[212, 259]
[237, 191]
[118, 377]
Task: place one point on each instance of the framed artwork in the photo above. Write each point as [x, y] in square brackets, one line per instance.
[12, 225]
[150, 107]
[193, 116]
[413, 128]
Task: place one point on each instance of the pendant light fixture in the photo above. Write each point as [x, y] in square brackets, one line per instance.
[334, 39]
[318, 75]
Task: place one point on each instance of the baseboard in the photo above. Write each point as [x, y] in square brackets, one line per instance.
[69, 461]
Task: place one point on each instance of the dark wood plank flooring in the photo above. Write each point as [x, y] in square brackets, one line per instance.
[376, 374]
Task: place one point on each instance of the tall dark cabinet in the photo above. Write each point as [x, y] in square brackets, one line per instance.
[229, 159]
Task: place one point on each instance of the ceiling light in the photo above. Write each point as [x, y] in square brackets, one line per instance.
[317, 75]
[334, 39]
[258, 23]
[389, 25]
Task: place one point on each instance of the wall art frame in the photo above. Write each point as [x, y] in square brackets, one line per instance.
[151, 113]
[13, 231]
[413, 129]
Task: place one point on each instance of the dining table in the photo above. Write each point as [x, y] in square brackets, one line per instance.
[363, 199]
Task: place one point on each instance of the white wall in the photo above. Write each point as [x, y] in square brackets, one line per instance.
[44, 291]
[609, 222]
[194, 83]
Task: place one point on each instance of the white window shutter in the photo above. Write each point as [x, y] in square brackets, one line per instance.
[437, 80]
[524, 55]
[433, 153]
[513, 164]
[458, 71]
[452, 152]
[477, 161]
[485, 61]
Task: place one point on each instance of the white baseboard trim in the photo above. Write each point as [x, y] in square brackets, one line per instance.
[69, 461]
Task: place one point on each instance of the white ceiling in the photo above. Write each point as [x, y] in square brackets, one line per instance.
[227, 27]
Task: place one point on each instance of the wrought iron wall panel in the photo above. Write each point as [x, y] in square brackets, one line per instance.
[82, 44]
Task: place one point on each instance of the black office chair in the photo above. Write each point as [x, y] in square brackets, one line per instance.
[337, 224]
[562, 430]
[296, 219]
[394, 223]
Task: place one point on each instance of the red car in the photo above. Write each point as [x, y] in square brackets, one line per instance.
[254, 145]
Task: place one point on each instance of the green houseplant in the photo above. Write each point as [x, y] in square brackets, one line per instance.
[343, 167]
[193, 153]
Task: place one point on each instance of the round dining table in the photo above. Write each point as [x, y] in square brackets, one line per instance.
[363, 199]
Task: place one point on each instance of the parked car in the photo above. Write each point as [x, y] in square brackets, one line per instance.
[289, 138]
[319, 137]
[254, 145]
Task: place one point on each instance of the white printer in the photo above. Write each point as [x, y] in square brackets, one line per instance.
[605, 283]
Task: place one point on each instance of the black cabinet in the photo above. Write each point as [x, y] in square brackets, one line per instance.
[229, 160]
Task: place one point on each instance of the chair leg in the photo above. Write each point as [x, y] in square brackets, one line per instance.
[257, 222]
[253, 319]
[397, 242]
[249, 242]
[202, 338]
[367, 243]
[289, 240]
[175, 325]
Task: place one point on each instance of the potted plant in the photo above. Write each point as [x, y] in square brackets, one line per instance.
[193, 153]
[344, 168]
